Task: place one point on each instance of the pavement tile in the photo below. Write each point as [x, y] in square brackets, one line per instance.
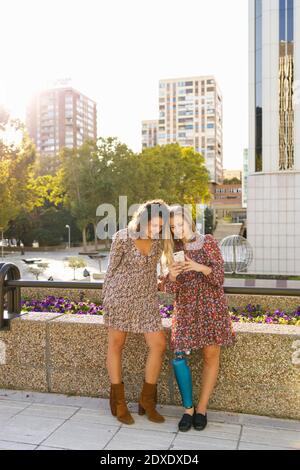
[272, 437]
[10, 445]
[81, 436]
[57, 399]
[248, 446]
[86, 415]
[49, 411]
[219, 431]
[28, 429]
[266, 422]
[135, 439]
[188, 441]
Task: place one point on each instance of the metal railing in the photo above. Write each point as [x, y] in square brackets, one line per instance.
[11, 284]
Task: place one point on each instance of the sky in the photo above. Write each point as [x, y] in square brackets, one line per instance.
[116, 51]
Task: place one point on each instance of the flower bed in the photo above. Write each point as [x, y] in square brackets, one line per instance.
[248, 314]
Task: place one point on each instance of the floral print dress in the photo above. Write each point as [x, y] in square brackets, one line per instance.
[201, 314]
[130, 297]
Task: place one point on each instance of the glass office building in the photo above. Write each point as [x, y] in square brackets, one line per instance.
[273, 219]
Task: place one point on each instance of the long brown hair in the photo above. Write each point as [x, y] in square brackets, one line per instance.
[145, 213]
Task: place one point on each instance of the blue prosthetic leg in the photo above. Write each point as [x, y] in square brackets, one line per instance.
[184, 379]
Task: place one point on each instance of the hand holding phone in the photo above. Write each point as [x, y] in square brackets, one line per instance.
[179, 257]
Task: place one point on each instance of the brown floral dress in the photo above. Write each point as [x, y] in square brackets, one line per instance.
[130, 297]
[201, 314]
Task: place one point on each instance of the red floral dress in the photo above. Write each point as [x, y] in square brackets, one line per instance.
[201, 314]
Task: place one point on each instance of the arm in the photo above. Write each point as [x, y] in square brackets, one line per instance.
[168, 286]
[169, 282]
[216, 262]
[115, 256]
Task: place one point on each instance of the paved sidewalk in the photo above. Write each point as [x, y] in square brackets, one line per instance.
[32, 420]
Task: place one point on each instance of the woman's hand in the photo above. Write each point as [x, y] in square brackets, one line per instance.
[190, 265]
[174, 270]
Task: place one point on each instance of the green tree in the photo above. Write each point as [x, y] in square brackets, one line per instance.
[99, 172]
[232, 181]
[16, 164]
[75, 262]
[176, 174]
[93, 175]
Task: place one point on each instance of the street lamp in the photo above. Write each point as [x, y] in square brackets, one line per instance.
[69, 229]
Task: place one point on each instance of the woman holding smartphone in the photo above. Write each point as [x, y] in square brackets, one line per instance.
[131, 304]
[201, 317]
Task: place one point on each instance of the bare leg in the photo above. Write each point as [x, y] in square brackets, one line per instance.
[116, 342]
[211, 361]
[156, 343]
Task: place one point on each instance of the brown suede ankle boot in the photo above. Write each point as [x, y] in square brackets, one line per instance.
[148, 401]
[118, 404]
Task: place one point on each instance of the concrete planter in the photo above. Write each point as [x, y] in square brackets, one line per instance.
[49, 352]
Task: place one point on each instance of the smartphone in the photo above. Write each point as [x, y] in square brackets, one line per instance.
[179, 257]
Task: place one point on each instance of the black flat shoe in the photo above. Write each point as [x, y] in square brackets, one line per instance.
[186, 422]
[199, 421]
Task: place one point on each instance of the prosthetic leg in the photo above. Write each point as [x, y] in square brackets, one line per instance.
[184, 379]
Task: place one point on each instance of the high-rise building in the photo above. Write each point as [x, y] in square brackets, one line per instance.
[191, 113]
[60, 117]
[149, 133]
[273, 221]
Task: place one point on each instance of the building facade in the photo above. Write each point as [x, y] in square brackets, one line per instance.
[273, 220]
[60, 117]
[227, 202]
[191, 114]
[245, 177]
[149, 133]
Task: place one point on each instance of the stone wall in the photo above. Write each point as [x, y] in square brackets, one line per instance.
[49, 352]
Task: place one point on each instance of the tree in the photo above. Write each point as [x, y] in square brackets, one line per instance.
[99, 172]
[36, 271]
[16, 162]
[232, 181]
[209, 220]
[92, 175]
[75, 262]
[176, 174]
